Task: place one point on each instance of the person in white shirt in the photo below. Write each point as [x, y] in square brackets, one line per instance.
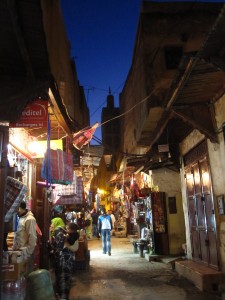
[113, 219]
[104, 229]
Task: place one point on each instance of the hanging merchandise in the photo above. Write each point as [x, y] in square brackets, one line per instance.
[83, 137]
[15, 193]
[57, 167]
[126, 207]
[69, 194]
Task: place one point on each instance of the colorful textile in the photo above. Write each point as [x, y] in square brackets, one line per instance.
[83, 137]
[80, 187]
[15, 193]
[69, 194]
[68, 199]
[64, 190]
[60, 167]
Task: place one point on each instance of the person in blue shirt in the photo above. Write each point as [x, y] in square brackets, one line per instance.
[104, 229]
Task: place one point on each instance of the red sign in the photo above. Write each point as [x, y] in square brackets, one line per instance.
[34, 115]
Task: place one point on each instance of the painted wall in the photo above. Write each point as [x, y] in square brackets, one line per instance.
[169, 182]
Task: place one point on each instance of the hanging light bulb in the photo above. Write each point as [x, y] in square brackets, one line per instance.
[160, 160]
[169, 155]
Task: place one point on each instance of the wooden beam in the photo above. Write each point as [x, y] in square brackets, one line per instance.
[196, 125]
[182, 82]
[157, 132]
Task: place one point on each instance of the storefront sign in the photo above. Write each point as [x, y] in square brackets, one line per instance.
[34, 115]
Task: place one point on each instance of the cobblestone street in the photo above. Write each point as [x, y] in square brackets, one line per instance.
[125, 275]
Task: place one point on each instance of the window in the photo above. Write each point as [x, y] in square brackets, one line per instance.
[173, 57]
[172, 205]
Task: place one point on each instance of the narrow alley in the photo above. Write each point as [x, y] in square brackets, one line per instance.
[125, 275]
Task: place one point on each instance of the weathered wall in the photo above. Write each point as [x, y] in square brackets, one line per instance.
[169, 182]
[149, 75]
[62, 67]
[217, 166]
[216, 152]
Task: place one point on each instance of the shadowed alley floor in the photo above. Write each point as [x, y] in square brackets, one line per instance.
[125, 275]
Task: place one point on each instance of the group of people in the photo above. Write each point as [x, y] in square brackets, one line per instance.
[85, 219]
[64, 238]
[88, 220]
[64, 242]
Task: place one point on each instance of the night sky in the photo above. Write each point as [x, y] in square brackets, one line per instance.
[102, 36]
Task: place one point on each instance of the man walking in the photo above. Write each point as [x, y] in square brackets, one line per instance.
[104, 229]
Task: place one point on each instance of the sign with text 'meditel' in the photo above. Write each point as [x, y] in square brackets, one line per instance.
[35, 114]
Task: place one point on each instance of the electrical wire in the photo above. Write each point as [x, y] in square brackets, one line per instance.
[129, 110]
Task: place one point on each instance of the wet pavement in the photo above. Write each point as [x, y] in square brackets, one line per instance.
[125, 275]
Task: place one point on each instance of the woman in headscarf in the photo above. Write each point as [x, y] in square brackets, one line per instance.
[65, 244]
[57, 225]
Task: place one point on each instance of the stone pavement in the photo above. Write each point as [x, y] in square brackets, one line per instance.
[126, 276]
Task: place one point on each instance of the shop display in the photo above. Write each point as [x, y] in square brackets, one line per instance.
[57, 167]
[121, 228]
[15, 193]
[150, 217]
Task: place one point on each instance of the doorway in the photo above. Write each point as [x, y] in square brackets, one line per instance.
[201, 210]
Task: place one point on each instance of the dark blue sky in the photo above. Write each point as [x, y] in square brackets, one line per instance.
[102, 36]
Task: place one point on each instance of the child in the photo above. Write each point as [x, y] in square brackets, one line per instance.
[64, 245]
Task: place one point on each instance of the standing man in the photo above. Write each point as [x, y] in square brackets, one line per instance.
[26, 237]
[104, 229]
[94, 216]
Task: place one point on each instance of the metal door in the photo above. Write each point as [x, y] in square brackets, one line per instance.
[201, 213]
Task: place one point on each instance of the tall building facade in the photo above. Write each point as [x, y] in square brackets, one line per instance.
[110, 126]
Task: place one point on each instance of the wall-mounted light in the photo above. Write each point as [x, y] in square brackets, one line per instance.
[108, 159]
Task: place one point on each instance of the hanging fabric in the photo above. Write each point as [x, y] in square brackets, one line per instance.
[70, 194]
[14, 194]
[83, 137]
[59, 168]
